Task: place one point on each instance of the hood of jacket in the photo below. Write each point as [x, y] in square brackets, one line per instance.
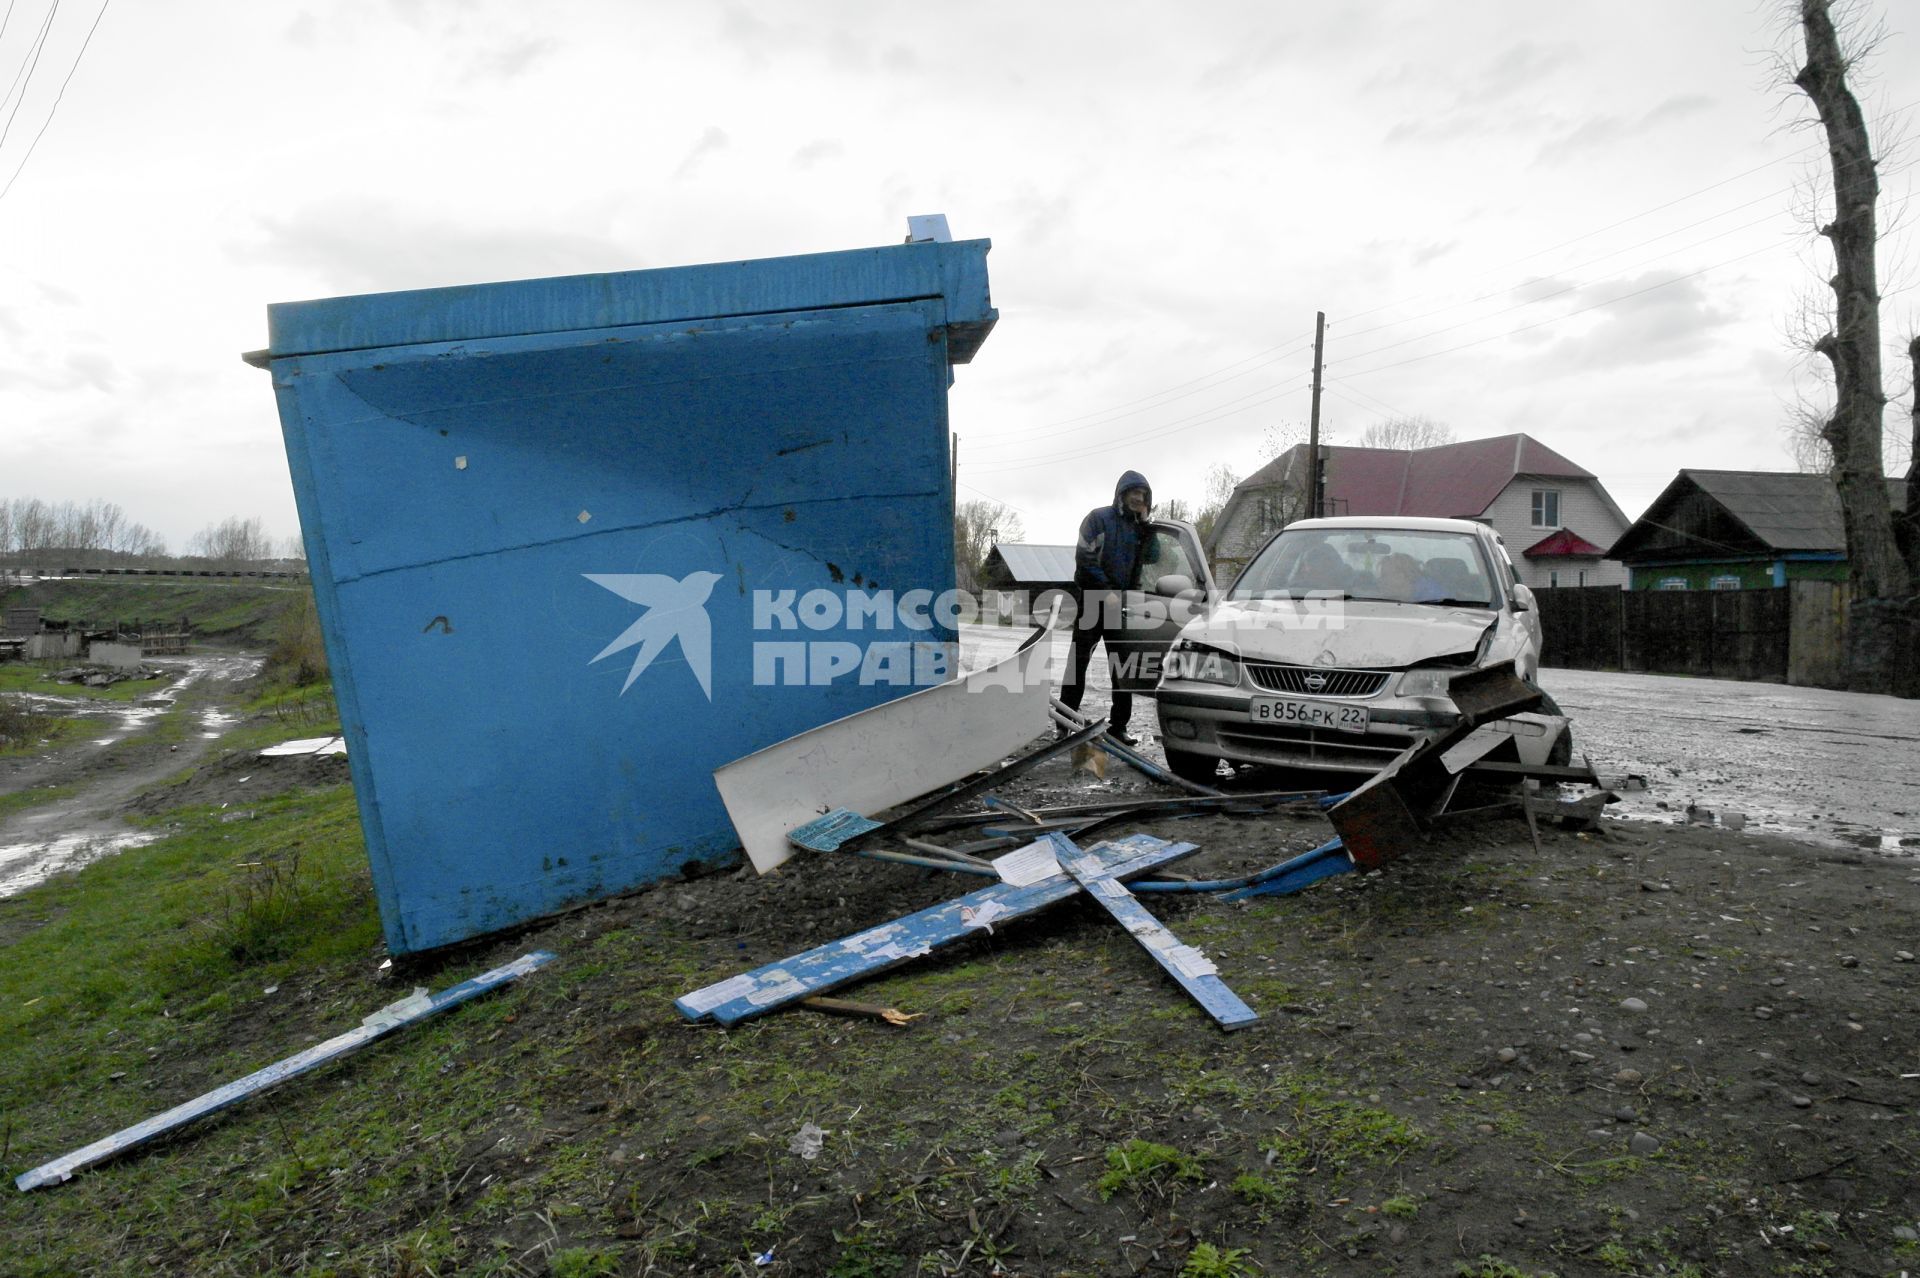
[1132, 479]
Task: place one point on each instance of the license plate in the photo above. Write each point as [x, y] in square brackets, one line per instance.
[1308, 714]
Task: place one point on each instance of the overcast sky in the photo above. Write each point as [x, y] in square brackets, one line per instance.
[1583, 221]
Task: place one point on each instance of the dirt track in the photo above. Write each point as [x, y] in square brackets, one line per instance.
[132, 750]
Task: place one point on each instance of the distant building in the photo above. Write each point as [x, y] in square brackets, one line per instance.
[1554, 516]
[1740, 530]
[1015, 567]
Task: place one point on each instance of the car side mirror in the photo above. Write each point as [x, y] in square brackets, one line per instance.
[1173, 585]
[1522, 598]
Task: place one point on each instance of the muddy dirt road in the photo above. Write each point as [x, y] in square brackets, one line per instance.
[137, 744]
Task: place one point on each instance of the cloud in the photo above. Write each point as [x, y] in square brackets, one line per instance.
[714, 139]
[1541, 287]
[816, 151]
[1477, 102]
[1516, 69]
[363, 246]
[77, 371]
[1606, 130]
[1659, 317]
[511, 59]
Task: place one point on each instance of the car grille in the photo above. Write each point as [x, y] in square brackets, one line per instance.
[1290, 744]
[1337, 683]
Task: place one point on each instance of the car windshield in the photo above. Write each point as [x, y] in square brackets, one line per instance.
[1397, 565]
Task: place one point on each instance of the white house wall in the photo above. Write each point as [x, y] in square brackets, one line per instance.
[1582, 510]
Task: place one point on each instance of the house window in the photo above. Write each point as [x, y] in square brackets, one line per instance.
[1266, 514]
[1553, 577]
[1672, 583]
[1724, 583]
[1583, 577]
[1546, 508]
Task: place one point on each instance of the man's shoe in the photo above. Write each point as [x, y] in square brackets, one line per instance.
[1124, 737]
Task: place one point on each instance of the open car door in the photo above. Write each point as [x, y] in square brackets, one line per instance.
[1175, 587]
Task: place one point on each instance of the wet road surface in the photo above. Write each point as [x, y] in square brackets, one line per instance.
[1840, 769]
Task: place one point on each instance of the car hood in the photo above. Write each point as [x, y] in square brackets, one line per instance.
[1343, 633]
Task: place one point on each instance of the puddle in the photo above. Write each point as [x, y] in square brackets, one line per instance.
[25, 865]
[214, 723]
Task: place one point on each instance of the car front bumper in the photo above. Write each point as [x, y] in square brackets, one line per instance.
[1215, 721]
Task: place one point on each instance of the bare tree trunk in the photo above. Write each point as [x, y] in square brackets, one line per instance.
[1853, 344]
[1907, 526]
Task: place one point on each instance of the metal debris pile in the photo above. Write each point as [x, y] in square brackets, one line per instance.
[1032, 858]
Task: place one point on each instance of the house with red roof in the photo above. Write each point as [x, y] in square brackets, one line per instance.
[1555, 517]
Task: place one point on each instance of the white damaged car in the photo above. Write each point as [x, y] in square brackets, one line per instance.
[1333, 650]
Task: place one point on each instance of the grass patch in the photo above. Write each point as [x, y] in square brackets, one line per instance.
[1493, 1267]
[1209, 1261]
[21, 800]
[205, 922]
[1143, 1166]
[31, 676]
[30, 733]
[229, 611]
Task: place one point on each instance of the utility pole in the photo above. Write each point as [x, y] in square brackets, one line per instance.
[1313, 497]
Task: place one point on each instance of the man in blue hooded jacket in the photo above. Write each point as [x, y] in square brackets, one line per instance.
[1114, 542]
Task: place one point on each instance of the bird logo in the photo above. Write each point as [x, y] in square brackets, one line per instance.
[676, 608]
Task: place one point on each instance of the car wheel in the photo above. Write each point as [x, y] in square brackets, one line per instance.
[1188, 766]
[1560, 755]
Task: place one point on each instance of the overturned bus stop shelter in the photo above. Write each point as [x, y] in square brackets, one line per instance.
[563, 535]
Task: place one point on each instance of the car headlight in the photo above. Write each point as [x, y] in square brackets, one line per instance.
[1423, 683]
[1202, 664]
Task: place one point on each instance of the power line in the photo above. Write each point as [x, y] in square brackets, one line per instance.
[1381, 405]
[45, 124]
[1562, 292]
[24, 76]
[1179, 426]
[1026, 437]
[1648, 212]
[998, 501]
[1547, 297]
[1167, 395]
[1555, 319]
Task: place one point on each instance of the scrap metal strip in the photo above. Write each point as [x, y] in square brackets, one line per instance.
[1191, 969]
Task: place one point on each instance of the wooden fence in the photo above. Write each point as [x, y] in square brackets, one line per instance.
[1791, 635]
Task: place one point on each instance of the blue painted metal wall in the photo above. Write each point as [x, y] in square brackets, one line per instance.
[467, 461]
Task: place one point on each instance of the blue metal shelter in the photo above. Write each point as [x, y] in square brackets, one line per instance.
[558, 529]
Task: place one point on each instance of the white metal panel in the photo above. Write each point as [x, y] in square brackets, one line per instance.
[879, 758]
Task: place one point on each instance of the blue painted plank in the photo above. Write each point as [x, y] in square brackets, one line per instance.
[830, 831]
[956, 273]
[376, 1026]
[1191, 969]
[1304, 870]
[891, 944]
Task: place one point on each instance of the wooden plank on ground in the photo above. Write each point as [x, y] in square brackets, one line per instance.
[879, 948]
[1189, 968]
